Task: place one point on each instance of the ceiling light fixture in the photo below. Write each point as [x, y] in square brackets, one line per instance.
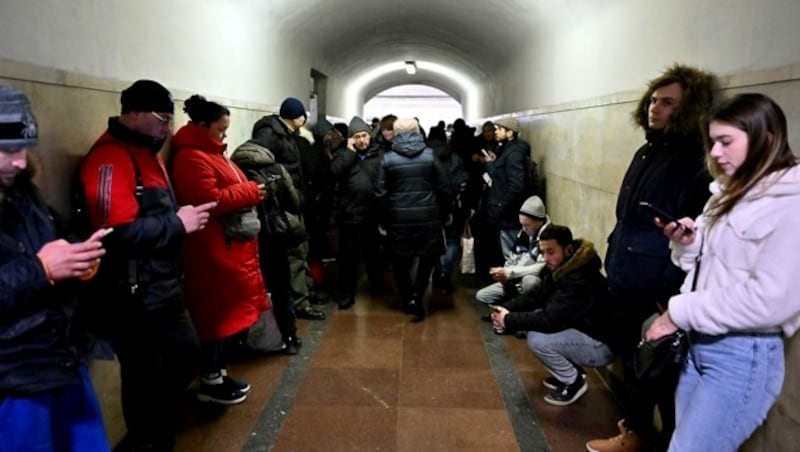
[411, 67]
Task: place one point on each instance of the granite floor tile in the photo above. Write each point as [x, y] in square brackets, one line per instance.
[338, 428]
[454, 429]
[449, 388]
[349, 386]
[359, 352]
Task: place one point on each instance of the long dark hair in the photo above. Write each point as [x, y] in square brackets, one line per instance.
[767, 151]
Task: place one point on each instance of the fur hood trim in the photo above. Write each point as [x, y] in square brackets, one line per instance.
[697, 96]
[584, 255]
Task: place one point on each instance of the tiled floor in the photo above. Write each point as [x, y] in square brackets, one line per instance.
[370, 379]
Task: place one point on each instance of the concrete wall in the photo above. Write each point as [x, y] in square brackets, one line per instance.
[219, 49]
[585, 49]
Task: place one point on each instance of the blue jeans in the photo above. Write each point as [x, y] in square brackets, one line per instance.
[62, 419]
[560, 352]
[508, 237]
[726, 388]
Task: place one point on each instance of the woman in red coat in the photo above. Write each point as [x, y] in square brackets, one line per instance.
[224, 288]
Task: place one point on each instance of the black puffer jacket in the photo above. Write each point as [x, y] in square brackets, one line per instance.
[414, 192]
[36, 343]
[357, 178]
[669, 172]
[510, 183]
[274, 135]
[573, 295]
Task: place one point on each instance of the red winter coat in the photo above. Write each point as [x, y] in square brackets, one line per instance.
[224, 289]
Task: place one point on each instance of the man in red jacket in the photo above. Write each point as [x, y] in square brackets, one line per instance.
[126, 187]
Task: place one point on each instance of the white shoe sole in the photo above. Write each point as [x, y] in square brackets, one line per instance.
[208, 399]
[574, 398]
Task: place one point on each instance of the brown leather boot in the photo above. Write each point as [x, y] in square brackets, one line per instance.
[626, 441]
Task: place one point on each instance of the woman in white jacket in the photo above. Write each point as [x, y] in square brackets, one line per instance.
[746, 299]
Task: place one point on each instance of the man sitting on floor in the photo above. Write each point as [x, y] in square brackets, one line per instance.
[565, 315]
[521, 271]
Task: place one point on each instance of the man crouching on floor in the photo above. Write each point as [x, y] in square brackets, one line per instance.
[565, 316]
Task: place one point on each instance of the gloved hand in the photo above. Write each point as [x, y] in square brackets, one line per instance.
[381, 231]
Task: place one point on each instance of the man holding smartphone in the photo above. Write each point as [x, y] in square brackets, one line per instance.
[669, 172]
[46, 397]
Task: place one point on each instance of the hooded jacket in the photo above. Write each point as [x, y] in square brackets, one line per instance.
[274, 135]
[669, 172]
[224, 289]
[749, 264]
[573, 295]
[259, 165]
[414, 195]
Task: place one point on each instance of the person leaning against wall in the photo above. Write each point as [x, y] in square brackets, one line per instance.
[47, 401]
[276, 132]
[225, 291]
[126, 187]
[745, 302]
[668, 171]
[510, 184]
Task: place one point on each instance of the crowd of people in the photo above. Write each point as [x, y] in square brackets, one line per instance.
[181, 256]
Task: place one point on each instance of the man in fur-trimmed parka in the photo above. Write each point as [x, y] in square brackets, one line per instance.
[669, 172]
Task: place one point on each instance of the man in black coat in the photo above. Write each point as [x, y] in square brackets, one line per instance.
[46, 397]
[669, 172]
[509, 185]
[355, 168]
[277, 133]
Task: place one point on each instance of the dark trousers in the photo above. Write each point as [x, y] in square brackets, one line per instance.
[211, 358]
[413, 289]
[277, 275]
[643, 395]
[356, 242]
[158, 352]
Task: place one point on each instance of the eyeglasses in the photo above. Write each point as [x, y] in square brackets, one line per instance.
[161, 119]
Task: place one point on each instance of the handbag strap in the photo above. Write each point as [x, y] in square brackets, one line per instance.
[697, 260]
[235, 173]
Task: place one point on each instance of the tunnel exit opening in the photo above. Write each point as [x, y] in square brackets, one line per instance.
[428, 104]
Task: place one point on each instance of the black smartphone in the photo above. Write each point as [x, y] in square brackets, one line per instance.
[658, 212]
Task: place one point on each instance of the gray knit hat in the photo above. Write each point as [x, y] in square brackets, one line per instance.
[17, 123]
[508, 123]
[533, 207]
[358, 125]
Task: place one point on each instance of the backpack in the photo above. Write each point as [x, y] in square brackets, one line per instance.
[95, 310]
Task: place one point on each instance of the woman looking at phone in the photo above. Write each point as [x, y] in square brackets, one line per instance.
[745, 302]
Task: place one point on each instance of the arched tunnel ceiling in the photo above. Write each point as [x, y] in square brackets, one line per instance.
[346, 38]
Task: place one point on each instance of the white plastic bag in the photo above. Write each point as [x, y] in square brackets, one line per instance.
[467, 251]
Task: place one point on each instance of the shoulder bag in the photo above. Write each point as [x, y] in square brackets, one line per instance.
[652, 359]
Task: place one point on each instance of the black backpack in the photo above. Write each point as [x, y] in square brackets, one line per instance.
[95, 311]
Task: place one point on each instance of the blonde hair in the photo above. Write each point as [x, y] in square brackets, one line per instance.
[768, 148]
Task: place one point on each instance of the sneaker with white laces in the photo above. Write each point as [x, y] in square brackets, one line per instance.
[553, 382]
[236, 383]
[567, 394]
[216, 388]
